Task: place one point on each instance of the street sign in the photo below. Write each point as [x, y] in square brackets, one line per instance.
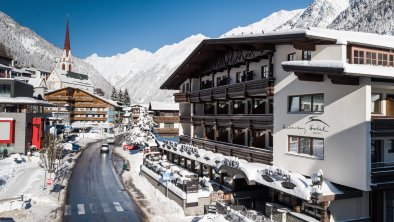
[167, 175]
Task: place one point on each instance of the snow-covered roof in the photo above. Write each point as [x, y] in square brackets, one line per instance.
[73, 77]
[5, 67]
[36, 82]
[24, 100]
[343, 37]
[164, 106]
[341, 67]
[254, 171]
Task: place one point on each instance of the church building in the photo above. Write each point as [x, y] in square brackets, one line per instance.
[64, 75]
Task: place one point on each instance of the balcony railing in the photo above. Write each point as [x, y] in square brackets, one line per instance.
[240, 121]
[382, 175]
[59, 98]
[251, 154]
[88, 119]
[89, 112]
[239, 90]
[382, 126]
[166, 119]
[84, 99]
[181, 97]
[171, 131]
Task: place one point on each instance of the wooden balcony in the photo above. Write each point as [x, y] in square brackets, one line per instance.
[88, 119]
[382, 126]
[258, 87]
[59, 98]
[382, 175]
[84, 99]
[166, 119]
[238, 121]
[90, 105]
[251, 154]
[168, 131]
[181, 97]
[89, 112]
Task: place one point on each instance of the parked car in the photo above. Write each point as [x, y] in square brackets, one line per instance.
[104, 148]
[130, 146]
[110, 138]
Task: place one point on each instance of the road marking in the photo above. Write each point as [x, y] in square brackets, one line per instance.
[67, 210]
[93, 209]
[81, 209]
[118, 207]
[106, 207]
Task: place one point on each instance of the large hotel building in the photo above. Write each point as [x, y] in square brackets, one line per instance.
[305, 115]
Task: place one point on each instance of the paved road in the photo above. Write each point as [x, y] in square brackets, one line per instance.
[95, 192]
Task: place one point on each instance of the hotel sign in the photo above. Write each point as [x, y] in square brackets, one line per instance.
[313, 125]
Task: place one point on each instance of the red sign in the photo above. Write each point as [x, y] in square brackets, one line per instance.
[7, 126]
[38, 132]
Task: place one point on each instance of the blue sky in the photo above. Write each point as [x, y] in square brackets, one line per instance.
[108, 27]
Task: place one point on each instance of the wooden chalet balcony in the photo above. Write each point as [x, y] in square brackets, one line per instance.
[238, 121]
[382, 126]
[59, 98]
[166, 119]
[88, 119]
[90, 105]
[382, 175]
[172, 131]
[239, 90]
[251, 154]
[84, 99]
[181, 97]
[89, 112]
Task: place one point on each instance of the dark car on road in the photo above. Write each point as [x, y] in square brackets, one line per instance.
[104, 148]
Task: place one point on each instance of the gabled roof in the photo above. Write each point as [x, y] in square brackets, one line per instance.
[111, 102]
[210, 49]
[36, 82]
[73, 77]
[164, 106]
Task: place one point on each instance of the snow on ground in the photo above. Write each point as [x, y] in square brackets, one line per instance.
[153, 202]
[27, 178]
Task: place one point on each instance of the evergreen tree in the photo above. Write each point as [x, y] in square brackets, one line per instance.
[114, 94]
[120, 96]
[126, 99]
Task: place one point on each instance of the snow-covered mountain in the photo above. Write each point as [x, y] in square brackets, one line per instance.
[118, 66]
[143, 85]
[375, 16]
[144, 79]
[267, 24]
[30, 49]
[319, 14]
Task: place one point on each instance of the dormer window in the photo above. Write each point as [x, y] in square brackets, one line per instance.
[291, 56]
[307, 55]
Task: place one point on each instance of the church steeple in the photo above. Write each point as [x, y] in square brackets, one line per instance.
[66, 61]
[67, 39]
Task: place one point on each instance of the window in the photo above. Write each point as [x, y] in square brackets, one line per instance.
[391, 61]
[371, 58]
[168, 125]
[238, 77]
[375, 103]
[306, 103]
[391, 146]
[382, 59]
[358, 57]
[187, 87]
[264, 71]
[307, 145]
[291, 56]
[307, 55]
[258, 106]
[5, 91]
[238, 107]
[222, 107]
